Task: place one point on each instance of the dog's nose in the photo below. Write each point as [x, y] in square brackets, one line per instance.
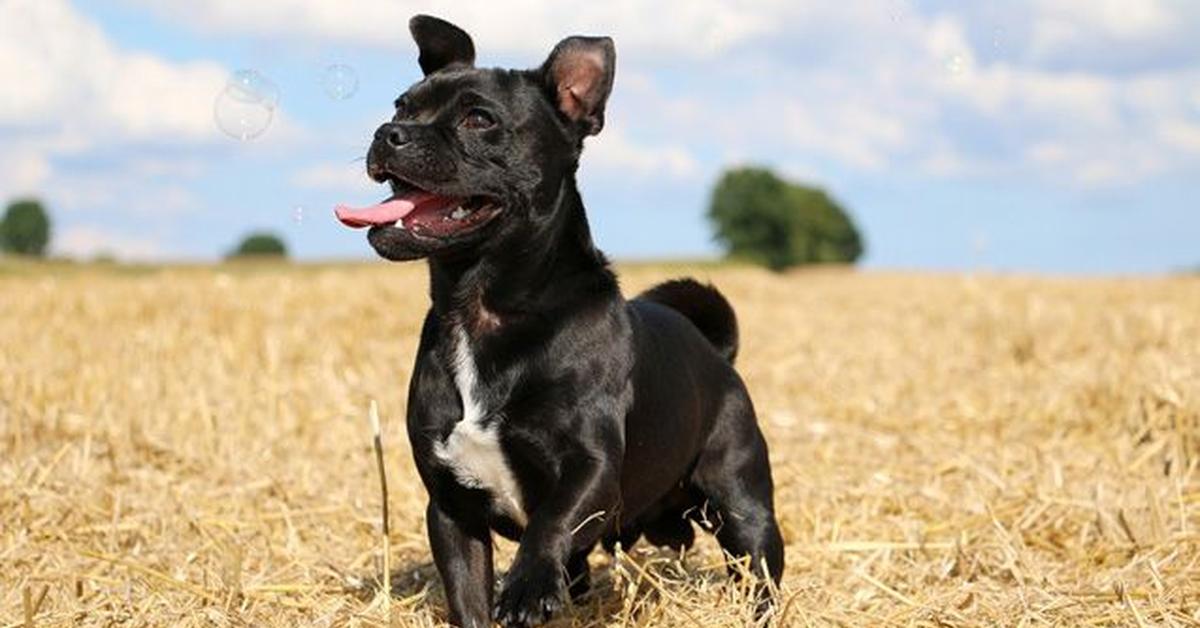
[393, 134]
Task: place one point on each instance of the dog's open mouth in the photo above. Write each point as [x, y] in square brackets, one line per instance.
[421, 212]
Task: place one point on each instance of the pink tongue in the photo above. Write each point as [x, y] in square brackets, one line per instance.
[384, 213]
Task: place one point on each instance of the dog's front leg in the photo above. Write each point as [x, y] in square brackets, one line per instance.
[571, 518]
[463, 553]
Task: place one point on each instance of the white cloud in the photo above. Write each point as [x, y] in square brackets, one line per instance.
[66, 78]
[329, 176]
[869, 86]
[1181, 134]
[858, 86]
[128, 194]
[856, 133]
[693, 27]
[155, 167]
[105, 133]
[614, 152]
[1065, 24]
[873, 95]
[74, 93]
[88, 241]
[23, 173]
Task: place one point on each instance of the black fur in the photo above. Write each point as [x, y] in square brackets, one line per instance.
[618, 418]
[705, 307]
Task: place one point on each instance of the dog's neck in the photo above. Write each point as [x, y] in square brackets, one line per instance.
[557, 268]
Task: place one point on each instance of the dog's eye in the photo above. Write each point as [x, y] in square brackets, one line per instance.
[478, 119]
[401, 105]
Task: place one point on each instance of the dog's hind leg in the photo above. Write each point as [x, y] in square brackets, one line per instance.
[626, 537]
[734, 475]
[672, 529]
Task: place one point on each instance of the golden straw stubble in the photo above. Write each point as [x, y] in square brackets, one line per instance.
[971, 450]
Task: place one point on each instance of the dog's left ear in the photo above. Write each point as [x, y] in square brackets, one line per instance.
[441, 44]
[579, 74]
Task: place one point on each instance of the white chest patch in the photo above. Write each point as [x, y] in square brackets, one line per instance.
[473, 450]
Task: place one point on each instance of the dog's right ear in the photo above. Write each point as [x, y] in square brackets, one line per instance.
[441, 44]
[580, 74]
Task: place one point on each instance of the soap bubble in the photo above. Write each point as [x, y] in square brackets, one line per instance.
[339, 81]
[298, 214]
[241, 120]
[245, 108]
[997, 37]
[955, 64]
[251, 86]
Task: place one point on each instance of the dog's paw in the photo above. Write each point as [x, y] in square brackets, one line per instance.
[530, 595]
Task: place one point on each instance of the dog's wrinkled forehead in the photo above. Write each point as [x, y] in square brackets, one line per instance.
[465, 87]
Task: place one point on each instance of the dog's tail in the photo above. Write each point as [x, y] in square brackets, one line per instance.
[705, 306]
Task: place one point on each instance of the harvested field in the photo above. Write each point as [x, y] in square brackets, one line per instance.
[189, 446]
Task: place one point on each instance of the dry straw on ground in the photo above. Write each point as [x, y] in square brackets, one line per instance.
[189, 447]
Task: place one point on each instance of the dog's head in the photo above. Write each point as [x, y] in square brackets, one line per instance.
[476, 158]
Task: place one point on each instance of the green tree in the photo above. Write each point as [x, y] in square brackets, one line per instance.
[764, 219]
[25, 229]
[260, 244]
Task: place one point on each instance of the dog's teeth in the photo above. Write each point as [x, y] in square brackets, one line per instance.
[459, 213]
[399, 224]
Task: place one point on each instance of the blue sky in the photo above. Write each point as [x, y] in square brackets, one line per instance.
[1056, 136]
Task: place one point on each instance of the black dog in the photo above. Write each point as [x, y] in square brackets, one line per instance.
[543, 405]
